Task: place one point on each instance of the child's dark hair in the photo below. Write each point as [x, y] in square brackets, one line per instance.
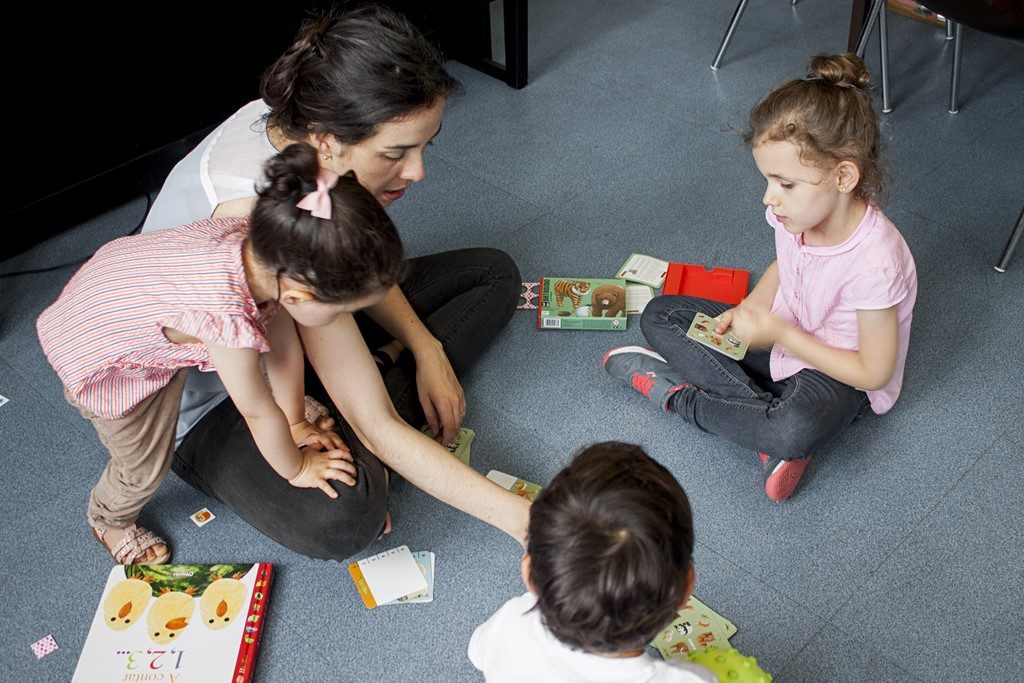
[347, 73]
[354, 253]
[610, 543]
[828, 115]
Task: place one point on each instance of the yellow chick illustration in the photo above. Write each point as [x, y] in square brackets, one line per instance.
[125, 603]
[222, 601]
[169, 615]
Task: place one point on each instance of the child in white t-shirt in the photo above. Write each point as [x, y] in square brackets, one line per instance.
[608, 562]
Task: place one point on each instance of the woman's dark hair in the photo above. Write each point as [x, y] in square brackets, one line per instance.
[347, 73]
[355, 252]
[610, 541]
[828, 115]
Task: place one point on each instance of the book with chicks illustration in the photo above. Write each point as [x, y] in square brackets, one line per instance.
[582, 304]
[181, 623]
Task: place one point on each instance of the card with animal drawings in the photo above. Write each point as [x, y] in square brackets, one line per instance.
[579, 303]
[520, 487]
[702, 331]
[460, 446]
[695, 627]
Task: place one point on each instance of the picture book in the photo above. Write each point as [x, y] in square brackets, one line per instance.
[582, 304]
[177, 622]
[520, 487]
[644, 269]
[387, 576]
[695, 627]
[425, 561]
[727, 285]
[460, 447]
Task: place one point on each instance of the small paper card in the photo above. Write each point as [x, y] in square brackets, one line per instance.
[702, 331]
[43, 647]
[637, 297]
[520, 487]
[425, 562]
[202, 517]
[387, 576]
[695, 627]
[644, 269]
[460, 447]
[3, 400]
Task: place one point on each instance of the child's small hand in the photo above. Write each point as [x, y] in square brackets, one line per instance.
[306, 434]
[320, 466]
[756, 325]
[724, 321]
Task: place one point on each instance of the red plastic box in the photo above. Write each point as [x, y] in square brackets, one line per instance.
[727, 285]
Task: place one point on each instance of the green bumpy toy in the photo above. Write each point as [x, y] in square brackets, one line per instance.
[730, 665]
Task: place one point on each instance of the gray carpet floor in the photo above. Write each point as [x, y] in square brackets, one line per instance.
[899, 559]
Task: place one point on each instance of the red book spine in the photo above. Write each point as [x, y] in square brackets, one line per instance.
[255, 618]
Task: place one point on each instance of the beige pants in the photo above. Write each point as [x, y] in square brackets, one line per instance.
[141, 446]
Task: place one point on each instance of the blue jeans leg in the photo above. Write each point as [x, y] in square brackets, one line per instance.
[738, 400]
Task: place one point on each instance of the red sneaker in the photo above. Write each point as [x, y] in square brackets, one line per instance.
[782, 476]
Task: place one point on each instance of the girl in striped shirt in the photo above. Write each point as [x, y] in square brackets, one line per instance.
[829, 321]
[223, 294]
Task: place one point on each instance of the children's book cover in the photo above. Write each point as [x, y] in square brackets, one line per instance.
[582, 304]
[180, 623]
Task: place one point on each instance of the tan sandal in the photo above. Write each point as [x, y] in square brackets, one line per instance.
[133, 545]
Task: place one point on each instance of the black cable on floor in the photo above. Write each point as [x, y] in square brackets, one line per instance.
[149, 205]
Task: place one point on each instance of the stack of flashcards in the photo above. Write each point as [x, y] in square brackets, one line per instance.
[695, 627]
[460, 447]
[520, 487]
[425, 562]
[387, 576]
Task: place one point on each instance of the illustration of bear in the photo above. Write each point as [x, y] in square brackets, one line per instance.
[608, 301]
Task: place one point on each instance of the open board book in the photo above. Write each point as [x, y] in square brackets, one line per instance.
[180, 623]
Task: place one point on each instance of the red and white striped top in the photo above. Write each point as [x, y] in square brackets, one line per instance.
[104, 334]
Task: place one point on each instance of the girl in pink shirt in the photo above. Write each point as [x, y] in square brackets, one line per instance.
[223, 294]
[829, 321]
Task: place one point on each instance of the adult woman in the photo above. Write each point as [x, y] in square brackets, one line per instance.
[368, 92]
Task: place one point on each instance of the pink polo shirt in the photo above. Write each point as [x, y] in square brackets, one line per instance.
[822, 288]
[105, 333]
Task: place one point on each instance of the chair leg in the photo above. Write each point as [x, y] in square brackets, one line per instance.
[883, 44]
[954, 84]
[869, 23]
[1011, 244]
[728, 33]
[949, 29]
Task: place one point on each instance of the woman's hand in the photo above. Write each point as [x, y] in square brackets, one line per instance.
[320, 466]
[306, 434]
[440, 393]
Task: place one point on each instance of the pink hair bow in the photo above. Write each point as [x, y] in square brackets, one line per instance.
[318, 202]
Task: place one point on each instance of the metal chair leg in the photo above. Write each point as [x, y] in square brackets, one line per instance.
[954, 84]
[883, 44]
[1011, 244]
[862, 44]
[949, 29]
[728, 33]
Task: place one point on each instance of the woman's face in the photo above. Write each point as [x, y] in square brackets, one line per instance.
[390, 160]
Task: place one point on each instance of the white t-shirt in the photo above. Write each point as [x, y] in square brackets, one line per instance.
[514, 645]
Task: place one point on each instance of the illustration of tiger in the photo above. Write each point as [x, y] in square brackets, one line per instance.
[570, 288]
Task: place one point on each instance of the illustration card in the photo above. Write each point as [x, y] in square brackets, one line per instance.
[644, 269]
[425, 562]
[702, 331]
[695, 627]
[387, 576]
[520, 487]
[460, 447]
[637, 298]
